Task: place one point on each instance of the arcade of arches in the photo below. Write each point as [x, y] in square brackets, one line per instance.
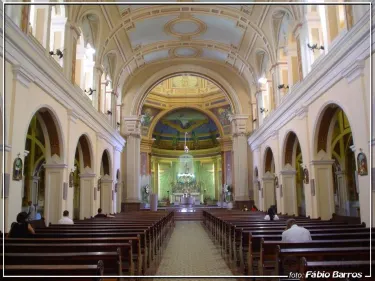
[105, 101]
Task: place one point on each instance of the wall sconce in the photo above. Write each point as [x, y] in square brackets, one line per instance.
[58, 53]
[283, 86]
[118, 124]
[90, 91]
[254, 120]
[109, 112]
[315, 47]
[263, 110]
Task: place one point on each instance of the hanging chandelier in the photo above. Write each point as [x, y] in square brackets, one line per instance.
[185, 147]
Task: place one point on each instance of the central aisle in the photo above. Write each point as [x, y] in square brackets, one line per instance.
[190, 251]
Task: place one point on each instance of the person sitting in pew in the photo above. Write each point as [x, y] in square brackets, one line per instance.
[271, 215]
[65, 219]
[100, 215]
[21, 228]
[254, 208]
[295, 233]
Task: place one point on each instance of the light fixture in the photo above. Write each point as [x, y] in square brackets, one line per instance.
[263, 110]
[58, 53]
[262, 80]
[283, 86]
[315, 47]
[186, 148]
[109, 112]
[118, 123]
[254, 120]
[90, 91]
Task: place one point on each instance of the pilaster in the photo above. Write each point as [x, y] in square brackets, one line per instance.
[268, 191]
[288, 194]
[54, 177]
[240, 165]
[87, 203]
[106, 194]
[132, 132]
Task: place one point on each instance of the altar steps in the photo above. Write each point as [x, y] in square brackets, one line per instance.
[197, 215]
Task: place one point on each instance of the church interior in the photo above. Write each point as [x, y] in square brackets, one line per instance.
[186, 124]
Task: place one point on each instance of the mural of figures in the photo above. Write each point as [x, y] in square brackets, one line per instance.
[223, 113]
[201, 131]
[147, 116]
[17, 169]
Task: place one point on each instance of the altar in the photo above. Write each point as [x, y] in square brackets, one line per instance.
[193, 198]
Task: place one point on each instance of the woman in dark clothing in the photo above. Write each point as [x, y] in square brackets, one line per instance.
[21, 228]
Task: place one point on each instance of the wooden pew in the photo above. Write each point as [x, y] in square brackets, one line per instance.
[111, 260]
[125, 249]
[349, 266]
[268, 252]
[253, 245]
[287, 260]
[135, 240]
[94, 270]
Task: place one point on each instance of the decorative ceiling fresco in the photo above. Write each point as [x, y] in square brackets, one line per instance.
[169, 132]
[226, 34]
[223, 114]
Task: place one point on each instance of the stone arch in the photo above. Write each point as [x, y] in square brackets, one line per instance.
[291, 141]
[269, 161]
[105, 164]
[324, 125]
[165, 112]
[333, 139]
[172, 71]
[52, 126]
[95, 26]
[85, 146]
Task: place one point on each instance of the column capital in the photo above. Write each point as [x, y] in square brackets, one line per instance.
[239, 124]
[354, 71]
[132, 126]
[73, 27]
[73, 115]
[21, 75]
[322, 162]
[297, 29]
[99, 68]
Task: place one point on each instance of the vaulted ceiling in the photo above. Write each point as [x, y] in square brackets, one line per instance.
[240, 37]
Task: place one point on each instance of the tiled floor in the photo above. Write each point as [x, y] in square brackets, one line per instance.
[190, 252]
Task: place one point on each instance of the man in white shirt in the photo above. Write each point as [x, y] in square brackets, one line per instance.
[31, 214]
[65, 219]
[295, 233]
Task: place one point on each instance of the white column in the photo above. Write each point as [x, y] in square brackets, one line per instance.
[268, 190]
[240, 167]
[106, 194]
[98, 72]
[118, 196]
[132, 132]
[54, 177]
[86, 200]
[323, 201]
[289, 196]
[71, 35]
[259, 97]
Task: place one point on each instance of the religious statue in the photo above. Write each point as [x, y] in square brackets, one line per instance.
[145, 193]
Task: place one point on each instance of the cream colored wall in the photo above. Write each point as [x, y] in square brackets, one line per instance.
[21, 103]
[353, 97]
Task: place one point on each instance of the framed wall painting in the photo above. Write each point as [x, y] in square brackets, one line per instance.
[362, 164]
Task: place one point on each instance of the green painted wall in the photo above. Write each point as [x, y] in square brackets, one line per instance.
[203, 173]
